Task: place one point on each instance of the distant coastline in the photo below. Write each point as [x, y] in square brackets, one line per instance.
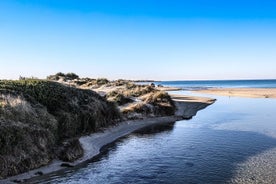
[145, 81]
[199, 84]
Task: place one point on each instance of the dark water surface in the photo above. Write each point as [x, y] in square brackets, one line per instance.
[232, 141]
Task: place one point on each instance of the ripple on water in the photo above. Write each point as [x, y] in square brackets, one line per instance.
[260, 168]
[226, 143]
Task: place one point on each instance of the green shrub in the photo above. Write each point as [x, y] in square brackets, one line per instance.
[133, 90]
[102, 81]
[59, 75]
[78, 111]
[39, 116]
[118, 98]
[28, 134]
[71, 76]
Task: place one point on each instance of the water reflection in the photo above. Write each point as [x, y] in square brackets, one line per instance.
[187, 155]
[232, 141]
[155, 129]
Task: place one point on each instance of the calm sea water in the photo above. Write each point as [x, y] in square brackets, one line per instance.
[231, 141]
[221, 83]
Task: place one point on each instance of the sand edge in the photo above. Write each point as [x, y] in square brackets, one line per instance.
[241, 92]
[187, 107]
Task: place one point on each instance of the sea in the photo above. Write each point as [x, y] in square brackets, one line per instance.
[231, 141]
[270, 83]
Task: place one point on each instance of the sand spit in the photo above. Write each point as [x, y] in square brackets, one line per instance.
[242, 92]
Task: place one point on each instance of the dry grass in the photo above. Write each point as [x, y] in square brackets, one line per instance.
[138, 108]
[16, 102]
[156, 97]
[37, 115]
[137, 90]
[77, 111]
[162, 102]
[16, 108]
[120, 99]
[131, 90]
[154, 104]
[123, 92]
[27, 134]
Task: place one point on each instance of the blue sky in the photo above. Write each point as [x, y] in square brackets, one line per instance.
[139, 39]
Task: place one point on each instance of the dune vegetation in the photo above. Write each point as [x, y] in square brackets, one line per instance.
[136, 101]
[39, 120]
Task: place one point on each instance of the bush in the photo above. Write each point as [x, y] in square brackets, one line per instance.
[38, 116]
[102, 81]
[162, 102]
[65, 77]
[118, 98]
[157, 97]
[60, 74]
[136, 90]
[121, 82]
[77, 111]
[141, 108]
[71, 76]
[28, 134]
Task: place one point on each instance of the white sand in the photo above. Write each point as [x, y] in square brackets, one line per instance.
[242, 92]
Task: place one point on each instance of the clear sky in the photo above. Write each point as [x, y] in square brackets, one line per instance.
[139, 39]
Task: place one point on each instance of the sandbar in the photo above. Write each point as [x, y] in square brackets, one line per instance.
[241, 92]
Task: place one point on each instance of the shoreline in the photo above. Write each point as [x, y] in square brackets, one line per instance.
[240, 92]
[187, 107]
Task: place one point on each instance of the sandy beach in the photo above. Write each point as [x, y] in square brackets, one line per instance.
[187, 107]
[241, 92]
